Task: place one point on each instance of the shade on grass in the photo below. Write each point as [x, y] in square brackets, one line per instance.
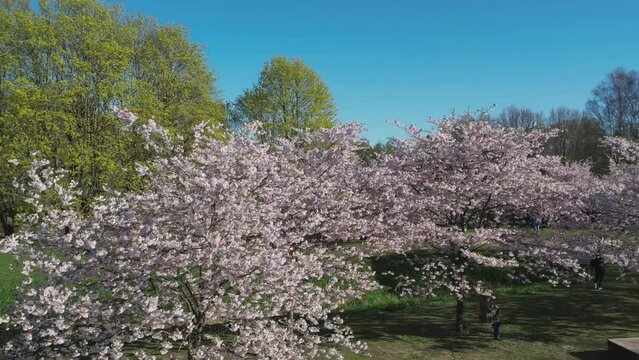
[569, 323]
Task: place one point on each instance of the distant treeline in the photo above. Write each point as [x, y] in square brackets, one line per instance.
[613, 110]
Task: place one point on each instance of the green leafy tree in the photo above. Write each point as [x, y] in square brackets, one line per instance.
[370, 154]
[289, 95]
[170, 79]
[62, 68]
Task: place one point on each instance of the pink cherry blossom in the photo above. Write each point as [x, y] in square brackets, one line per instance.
[465, 191]
[250, 239]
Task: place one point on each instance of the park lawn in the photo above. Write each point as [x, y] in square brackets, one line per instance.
[10, 277]
[571, 323]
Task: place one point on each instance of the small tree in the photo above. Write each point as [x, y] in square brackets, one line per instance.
[288, 96]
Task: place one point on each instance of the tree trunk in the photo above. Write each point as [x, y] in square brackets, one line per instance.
[195, 338]
[7, 224]
[459, 326]
[460, 261]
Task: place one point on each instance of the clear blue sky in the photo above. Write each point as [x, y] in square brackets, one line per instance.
[408, 60]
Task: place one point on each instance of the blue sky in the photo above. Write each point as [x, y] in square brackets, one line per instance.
[408, 60]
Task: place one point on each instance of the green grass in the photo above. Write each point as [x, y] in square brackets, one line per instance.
[385, 300]
[10, 277]
[571, 323]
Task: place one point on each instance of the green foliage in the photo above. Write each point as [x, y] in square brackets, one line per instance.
[170, 80]
[10, 278]
[580, 140]
[63, 66]
[371, 153]
[384, 300]
[289, 95]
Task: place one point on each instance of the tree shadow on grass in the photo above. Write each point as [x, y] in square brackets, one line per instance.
[591, 355]
[417, 323]
[579, 312]
[580, 317]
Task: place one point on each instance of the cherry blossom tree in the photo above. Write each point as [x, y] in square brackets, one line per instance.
[624, 172]
[619, 190]
[236, 249]
[469, 184]
[613, 212]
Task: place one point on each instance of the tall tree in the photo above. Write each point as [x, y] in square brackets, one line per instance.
[289, 95]
[579, 138]
[170, 80]
[615, 103]
[65, 64]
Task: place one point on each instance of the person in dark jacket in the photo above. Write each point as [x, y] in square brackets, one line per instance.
[496, 324]
[597, 264]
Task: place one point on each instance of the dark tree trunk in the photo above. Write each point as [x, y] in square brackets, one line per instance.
[459, 323]
[459, 326]
[195, 338]
[7, 224]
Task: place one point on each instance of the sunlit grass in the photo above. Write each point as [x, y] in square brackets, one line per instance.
[10, 277]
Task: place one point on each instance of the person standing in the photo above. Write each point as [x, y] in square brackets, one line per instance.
[597, 263]
[537, 224]
[496, 323]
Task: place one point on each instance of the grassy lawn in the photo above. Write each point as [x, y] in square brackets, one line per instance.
[549, 324]
[10, 277]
